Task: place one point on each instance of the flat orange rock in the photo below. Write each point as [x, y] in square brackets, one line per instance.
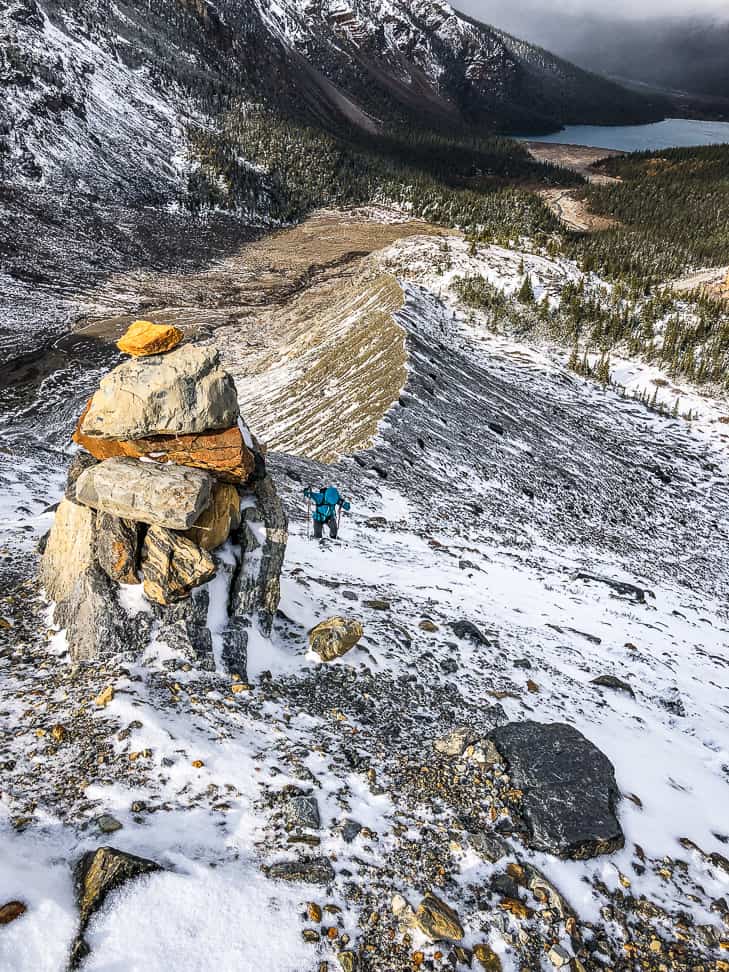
[144, 337]
[222, 451]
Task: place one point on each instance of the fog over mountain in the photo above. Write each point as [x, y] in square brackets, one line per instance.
[671, 44]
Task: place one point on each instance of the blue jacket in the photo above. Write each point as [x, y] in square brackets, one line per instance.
[326, 501]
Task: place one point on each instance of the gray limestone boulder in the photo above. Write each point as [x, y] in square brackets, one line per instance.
[69, 550]
[166, 496]
[185, 391]
[569, 787]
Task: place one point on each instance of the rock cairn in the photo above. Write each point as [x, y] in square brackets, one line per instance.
[168, 490]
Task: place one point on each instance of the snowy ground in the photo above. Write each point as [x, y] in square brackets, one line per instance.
[497, 479]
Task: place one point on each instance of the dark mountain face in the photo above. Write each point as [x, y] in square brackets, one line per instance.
[685, 52]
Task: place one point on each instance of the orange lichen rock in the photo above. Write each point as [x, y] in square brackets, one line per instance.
[220, 451]
[144, 337]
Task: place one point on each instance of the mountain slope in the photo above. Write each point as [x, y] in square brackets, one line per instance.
[394, 58]
[582, 535]
[103, 104]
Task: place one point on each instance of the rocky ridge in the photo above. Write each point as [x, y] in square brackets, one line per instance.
[377, 825]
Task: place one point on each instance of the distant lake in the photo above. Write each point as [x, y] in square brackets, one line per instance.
[670, 133]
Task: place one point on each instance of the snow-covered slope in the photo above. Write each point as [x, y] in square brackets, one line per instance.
[392, 56]
[582, 534]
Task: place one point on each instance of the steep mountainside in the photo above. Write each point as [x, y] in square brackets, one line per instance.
[524, 549]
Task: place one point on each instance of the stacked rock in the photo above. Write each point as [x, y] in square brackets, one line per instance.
[166, 466]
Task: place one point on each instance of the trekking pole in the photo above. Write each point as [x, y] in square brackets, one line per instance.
[308, 517]
[339, 519]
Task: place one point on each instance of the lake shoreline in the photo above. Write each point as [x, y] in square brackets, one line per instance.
[655, 136]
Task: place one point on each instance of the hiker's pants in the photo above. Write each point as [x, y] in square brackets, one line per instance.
[319, 527]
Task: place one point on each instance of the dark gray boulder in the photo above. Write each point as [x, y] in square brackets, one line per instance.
[263, 538]
[302, 811]
[569, 788]
[184, 629]
[469, 632]
[96, 875]
[235, 649]
[97, 626]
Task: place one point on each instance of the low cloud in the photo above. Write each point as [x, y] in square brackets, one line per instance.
[496, 12]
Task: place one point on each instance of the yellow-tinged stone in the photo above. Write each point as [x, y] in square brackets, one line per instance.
[222, 515]
[198, 763]
[105, 697]
[58, 733]
[237, 687]
[516, 908]
[487, 958]
[655, 945]
[144, 337]
[40, 733]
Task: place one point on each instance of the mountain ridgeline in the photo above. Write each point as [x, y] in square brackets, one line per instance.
[371, 66]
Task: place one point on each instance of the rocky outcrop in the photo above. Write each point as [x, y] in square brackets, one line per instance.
[334, 637]
[69, 550]
[185, 391]
[143, 338]
[96, 876]
[264, 534]
[96, 624]
[569, 789]
[173, 566]
[222, 452]
[166, 496]
[156, 517]
[218, 520]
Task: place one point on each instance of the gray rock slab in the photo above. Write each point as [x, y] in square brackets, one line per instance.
[167, 496]
[185, 391]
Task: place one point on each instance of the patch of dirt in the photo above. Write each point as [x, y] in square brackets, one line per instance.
[568, 206]
[578, 158]
[713, 281]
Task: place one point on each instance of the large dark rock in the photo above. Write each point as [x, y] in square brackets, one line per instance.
[96, 875]
[235, 649]
[569, 787]
[263, 538]
[97, 626]
[183, 627]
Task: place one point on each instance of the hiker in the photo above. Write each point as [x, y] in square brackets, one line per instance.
[327, 503]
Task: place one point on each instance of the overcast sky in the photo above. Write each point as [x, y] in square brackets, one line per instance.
[494, 11]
